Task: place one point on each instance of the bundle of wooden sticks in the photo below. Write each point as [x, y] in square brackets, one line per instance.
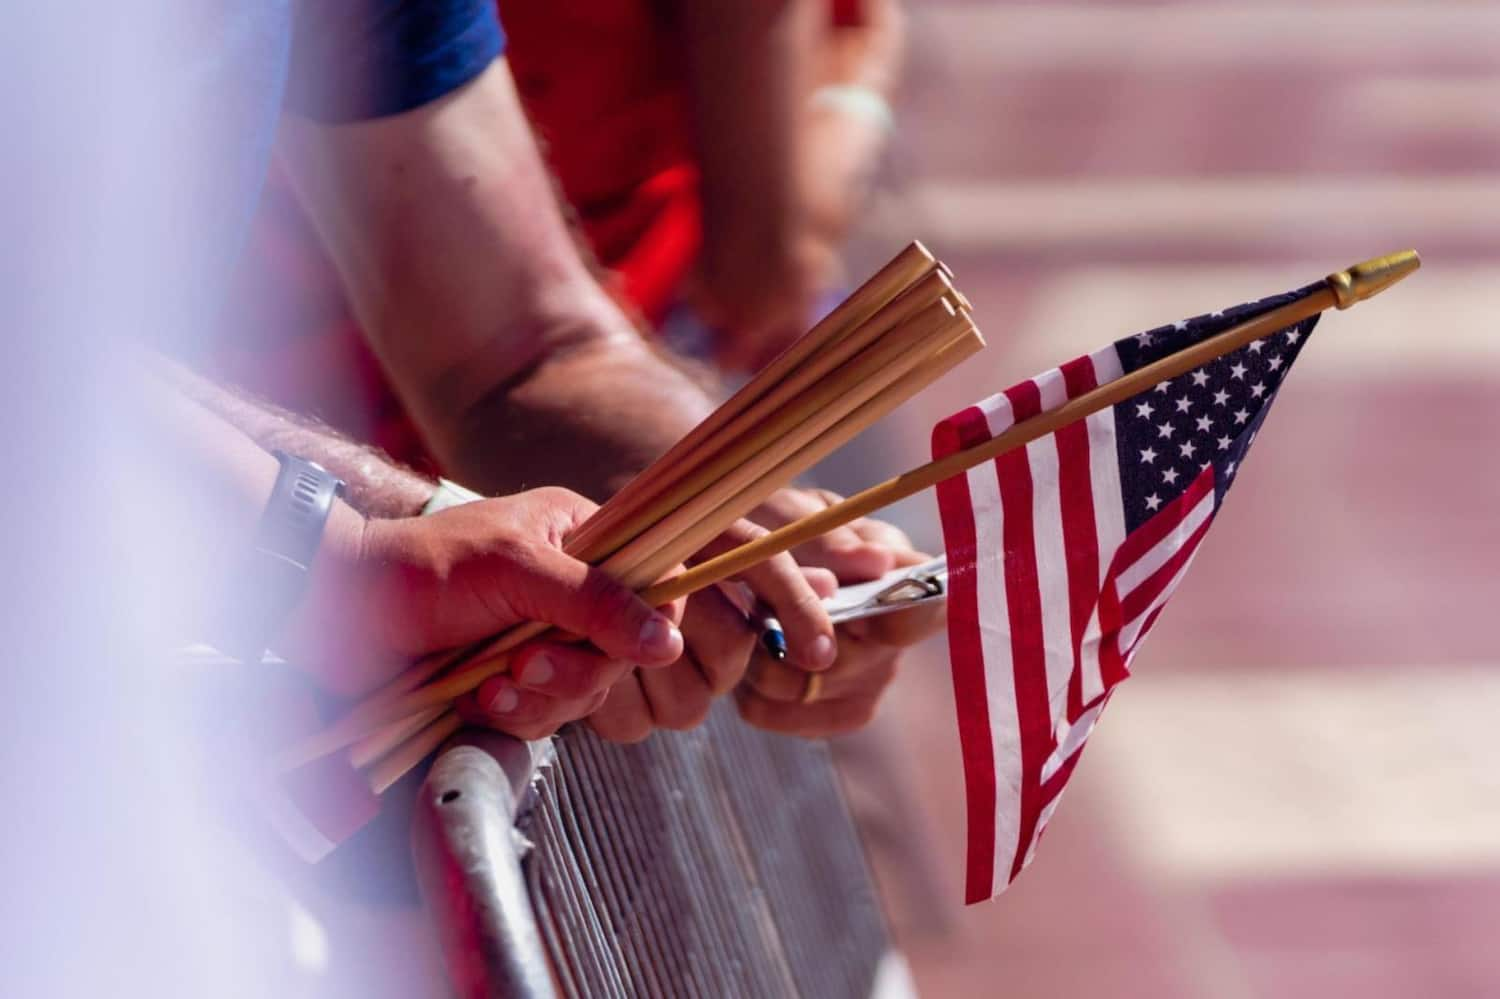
[897, 333]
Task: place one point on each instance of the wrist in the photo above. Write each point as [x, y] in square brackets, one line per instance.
[344, 541]
[588, 419]
[342, 610]
[272, 577]
[336, 569]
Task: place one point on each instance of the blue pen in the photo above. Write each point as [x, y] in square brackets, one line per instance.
[772, 638]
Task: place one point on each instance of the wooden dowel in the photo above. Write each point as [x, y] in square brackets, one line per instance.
[962, 347]
[867, 502]
[420, 672]
[412, 752]
[366, 718]
[717, 495]
[373, 747]
[904, 270]
[747, 432]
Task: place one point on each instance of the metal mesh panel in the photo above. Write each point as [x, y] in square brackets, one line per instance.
[717, 862]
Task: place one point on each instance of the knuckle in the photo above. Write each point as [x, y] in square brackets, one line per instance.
[558, 496]
[620, 726]
[632, 731]
[805, 602]
[725, 666]
[755, 710]
[605, 602]
[744, 531]
[517, 554]
[684, 713]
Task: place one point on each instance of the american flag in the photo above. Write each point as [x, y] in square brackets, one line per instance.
[1062, 555]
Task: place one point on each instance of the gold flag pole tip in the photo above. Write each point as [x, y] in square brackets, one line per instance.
[1370, 278]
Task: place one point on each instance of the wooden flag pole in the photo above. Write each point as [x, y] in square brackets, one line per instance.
[1341, 290]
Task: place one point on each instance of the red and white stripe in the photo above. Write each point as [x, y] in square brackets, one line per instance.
[1040, 532]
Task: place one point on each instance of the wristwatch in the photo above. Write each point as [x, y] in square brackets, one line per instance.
[286, 540]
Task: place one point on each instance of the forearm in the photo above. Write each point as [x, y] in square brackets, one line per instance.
[374, 484]
[847, 119]
[588, 418]
[445, 229]
[215, 484]
[517, 367]
[750, 64]
[867, 54]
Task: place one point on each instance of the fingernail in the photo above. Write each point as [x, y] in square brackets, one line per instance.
[659, 639]
[504, 701]
[538, 671]
[823, 651]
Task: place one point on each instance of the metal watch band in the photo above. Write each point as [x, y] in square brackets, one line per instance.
[292, 525]
[286, 541]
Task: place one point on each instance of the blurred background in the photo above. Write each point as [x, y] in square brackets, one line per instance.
[1296, 794]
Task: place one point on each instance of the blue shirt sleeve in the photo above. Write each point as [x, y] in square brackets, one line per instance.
[359, 59]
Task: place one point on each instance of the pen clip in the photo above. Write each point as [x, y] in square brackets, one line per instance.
[910, 590]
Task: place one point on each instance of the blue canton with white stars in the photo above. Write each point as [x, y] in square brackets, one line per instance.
[1170, 435]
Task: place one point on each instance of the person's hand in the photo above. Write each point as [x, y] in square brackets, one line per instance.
[780, 697]
[862, 550]
[385, 592]
[720, 639]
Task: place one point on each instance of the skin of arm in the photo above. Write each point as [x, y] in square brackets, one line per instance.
[749, 67]
[444, 227]
[382, 592]
[784, 177]
[842, 148]
[373, 484]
